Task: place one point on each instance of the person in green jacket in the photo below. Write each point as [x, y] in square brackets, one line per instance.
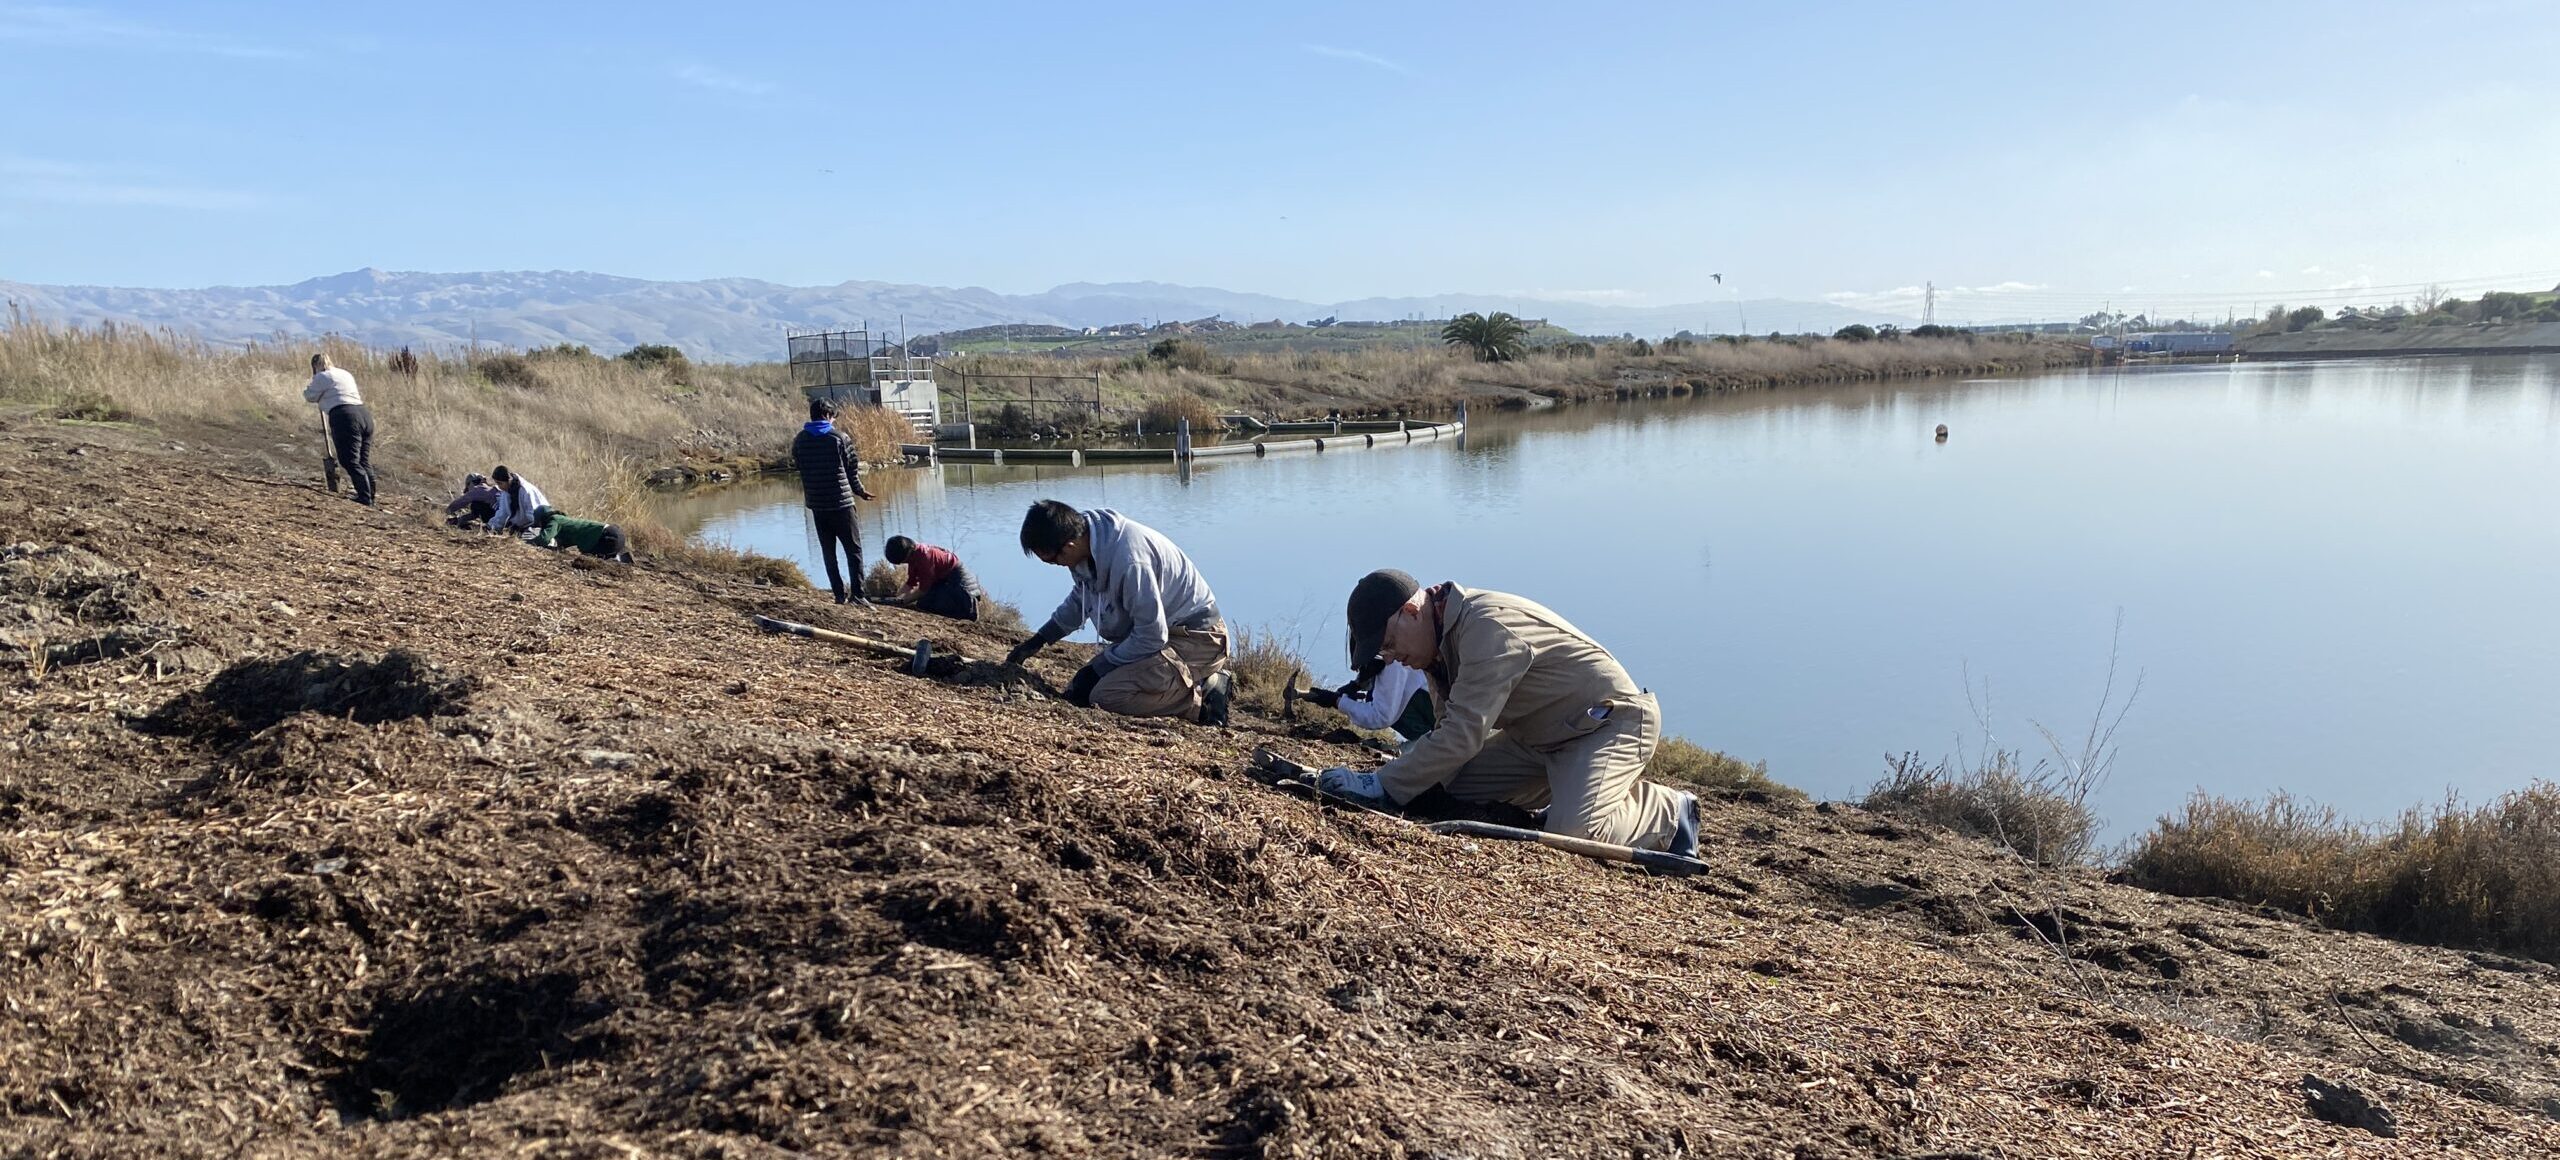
[595, 538]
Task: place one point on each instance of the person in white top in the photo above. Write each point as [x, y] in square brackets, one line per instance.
[350, 422]
[518, 499]
[1390, 696]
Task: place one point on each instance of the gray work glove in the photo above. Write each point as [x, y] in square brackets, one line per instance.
[1360, 786]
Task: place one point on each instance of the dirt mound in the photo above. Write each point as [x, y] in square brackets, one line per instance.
[687, 889]
[253, 695]
[63, 605]
[71, 583]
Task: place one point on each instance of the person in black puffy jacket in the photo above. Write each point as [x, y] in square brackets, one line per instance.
[830, 480]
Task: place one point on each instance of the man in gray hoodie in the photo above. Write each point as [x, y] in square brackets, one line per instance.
[1164, 651]
[350, 422]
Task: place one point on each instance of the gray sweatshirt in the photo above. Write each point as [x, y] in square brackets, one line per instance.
[1136, 590]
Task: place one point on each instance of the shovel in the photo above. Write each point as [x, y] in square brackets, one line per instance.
[919, 659]
[328, 454]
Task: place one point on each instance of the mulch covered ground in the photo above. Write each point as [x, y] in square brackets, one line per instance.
[326, 831]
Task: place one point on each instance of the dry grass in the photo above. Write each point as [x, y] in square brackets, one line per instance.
[884, 580]
[655, 542]
[1682, 762]
[2478, 876]
[1001, 616]
[1263, 664]
[1430, 381]
[580, 427]
[1165, 414]
[877, 433]
[2028, 808]
[586, 429]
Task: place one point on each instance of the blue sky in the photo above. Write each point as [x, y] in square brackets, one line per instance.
[2051, 153]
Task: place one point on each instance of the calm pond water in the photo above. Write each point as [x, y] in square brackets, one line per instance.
[2334, 578]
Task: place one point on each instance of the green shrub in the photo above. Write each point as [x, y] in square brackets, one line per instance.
[2506, 304]
[91, 407]
[1855, 332]
[651, 354]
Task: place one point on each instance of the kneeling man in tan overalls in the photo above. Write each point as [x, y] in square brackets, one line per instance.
[1534, 714]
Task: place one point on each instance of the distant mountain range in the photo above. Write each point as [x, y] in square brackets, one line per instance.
[744, 320]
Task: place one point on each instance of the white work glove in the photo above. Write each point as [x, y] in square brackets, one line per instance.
[1342, 782]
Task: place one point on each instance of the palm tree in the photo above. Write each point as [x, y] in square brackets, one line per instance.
[1495, 337]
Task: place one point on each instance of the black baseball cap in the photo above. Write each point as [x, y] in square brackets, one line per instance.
[1375, 598]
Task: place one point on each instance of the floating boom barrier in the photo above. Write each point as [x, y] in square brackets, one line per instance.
[1342, 436]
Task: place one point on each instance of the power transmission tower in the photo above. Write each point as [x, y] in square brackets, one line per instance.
[1929, 306]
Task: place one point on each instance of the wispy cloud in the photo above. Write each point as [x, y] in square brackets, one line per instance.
[89, 28]
[1910, 299]
[703, 76]
[1595, 297]
[31, 179]
[1356, 56]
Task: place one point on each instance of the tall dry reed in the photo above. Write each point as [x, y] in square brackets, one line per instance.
[2485, 876]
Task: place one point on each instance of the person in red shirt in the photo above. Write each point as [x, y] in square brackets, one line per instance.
[937, 582]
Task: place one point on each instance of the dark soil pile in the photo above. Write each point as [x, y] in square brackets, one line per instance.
[456, 847]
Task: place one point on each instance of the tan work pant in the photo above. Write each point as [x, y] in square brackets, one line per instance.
[1168, 683]
[1591, 787]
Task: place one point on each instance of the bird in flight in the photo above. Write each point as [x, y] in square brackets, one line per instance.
[1718, 277]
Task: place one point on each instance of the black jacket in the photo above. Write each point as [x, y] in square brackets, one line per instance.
[830, 472]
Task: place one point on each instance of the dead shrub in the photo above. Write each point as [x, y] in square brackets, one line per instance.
[2032, 810]
[508, 370]
[883, 580]
[1263, 663]
[878, 433]
[2485, 876]
[2284, 852]
[1165, 414]
[2039, 811]
[1002, 616]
